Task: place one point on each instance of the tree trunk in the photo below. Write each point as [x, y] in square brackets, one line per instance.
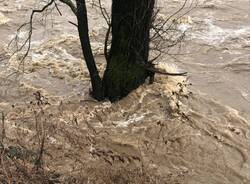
[128, 57]
[97, 90]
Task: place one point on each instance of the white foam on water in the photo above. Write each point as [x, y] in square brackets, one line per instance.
[20, 34]
[184, 27]
[214, 35]
[133, 119]
[245, 94]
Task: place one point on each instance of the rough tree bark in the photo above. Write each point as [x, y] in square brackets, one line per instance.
[82, 18]
[128, 56]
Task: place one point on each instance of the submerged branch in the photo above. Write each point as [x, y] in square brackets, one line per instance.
[154, 70]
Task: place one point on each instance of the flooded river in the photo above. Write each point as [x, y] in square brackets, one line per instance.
[200, 139]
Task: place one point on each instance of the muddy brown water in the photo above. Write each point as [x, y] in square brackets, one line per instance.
[207, 141]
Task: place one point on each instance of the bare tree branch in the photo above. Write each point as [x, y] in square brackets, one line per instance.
[28, 39]
[107, 18]
[74, 24]
[70, 4]
[57, 8]
[166, 73]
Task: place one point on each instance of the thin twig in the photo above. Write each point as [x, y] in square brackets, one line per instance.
[57, 8]
[74, 24]
[28, 39]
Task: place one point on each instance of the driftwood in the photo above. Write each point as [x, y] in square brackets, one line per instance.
[158, 71]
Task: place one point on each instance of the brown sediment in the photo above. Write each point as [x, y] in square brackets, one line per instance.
[159, 133]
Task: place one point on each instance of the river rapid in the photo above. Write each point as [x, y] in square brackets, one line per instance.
[193, 130]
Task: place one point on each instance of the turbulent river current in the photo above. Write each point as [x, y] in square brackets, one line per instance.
[190, 130]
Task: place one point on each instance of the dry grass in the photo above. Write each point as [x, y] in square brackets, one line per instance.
[47, 144]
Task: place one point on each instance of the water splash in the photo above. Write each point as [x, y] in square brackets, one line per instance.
[215, 35]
